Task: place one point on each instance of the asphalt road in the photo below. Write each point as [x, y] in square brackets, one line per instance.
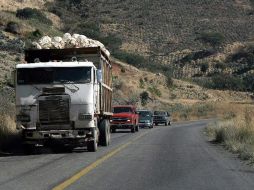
[176, 157]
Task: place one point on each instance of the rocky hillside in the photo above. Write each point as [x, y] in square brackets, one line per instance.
[208, 43]
[203, 40]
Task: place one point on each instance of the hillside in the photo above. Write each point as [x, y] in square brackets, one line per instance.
[204, 42]
[159, 91]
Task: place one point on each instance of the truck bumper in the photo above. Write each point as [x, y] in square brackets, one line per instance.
[159, 121]
[121, 126]
[143, 125]
[68, 137]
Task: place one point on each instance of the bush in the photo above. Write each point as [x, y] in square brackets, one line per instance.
[154, 90]
[197, 55]
[141, 83]
[35, 35]
[204, 67]
[13, 27]
[227, 82]
[144, 98]
[223, 82]
[112, 42]
[122, 69]
[90, 29]
[117, 84]
[169, 81]
[132, 59]
[55, 10]
[212, 38]
[29, 13]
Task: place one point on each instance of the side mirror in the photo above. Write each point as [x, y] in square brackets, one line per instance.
[99, 75]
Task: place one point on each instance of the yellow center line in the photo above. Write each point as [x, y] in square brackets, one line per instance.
[92, 166]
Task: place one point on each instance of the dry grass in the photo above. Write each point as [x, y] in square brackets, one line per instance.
[236, 132]
[7, 124]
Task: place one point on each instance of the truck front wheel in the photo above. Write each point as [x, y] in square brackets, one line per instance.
[133, 129]
[104, 138]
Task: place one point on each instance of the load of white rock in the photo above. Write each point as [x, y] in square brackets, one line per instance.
[68, 41]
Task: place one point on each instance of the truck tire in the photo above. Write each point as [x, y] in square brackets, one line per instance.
[92, 146]
[133, 129]
[104, 128]
[29, 149]
[113, 130]
[166, 123]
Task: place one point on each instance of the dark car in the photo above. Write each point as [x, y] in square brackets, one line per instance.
[145, 118]
[161, 117]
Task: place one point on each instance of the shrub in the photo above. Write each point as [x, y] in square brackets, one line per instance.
[35, 35]
[117, 84]
[212, 38]
[55, 10]
[227, 82]
[29, 13]
[112, 42]
[122, 69]
[154, 90]
[197, 55]
[130, 58]
[204, 67]
[141, 83]
[90, 29]
[13, 27]
[220, 66]
[144, 98]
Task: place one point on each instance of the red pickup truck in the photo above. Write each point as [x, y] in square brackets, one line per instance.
[124, 117]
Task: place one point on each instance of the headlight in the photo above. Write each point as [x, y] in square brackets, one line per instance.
[83, 116]
[23, 118]
[129, 120]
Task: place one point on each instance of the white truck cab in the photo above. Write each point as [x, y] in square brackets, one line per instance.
[64, 101]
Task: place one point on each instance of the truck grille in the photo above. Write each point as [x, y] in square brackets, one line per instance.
[54, 110]
[158, 118]
[118, 119]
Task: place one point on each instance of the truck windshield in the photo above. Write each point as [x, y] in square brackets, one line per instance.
[160, 113]
[54, 75]
[145, 115]
[122, 110]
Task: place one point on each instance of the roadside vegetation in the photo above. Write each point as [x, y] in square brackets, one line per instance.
[235, 132]
[8, 130]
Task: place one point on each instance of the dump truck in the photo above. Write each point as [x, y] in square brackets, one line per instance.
[64, 96]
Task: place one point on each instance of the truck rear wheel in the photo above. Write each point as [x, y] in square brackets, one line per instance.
[104, 138]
